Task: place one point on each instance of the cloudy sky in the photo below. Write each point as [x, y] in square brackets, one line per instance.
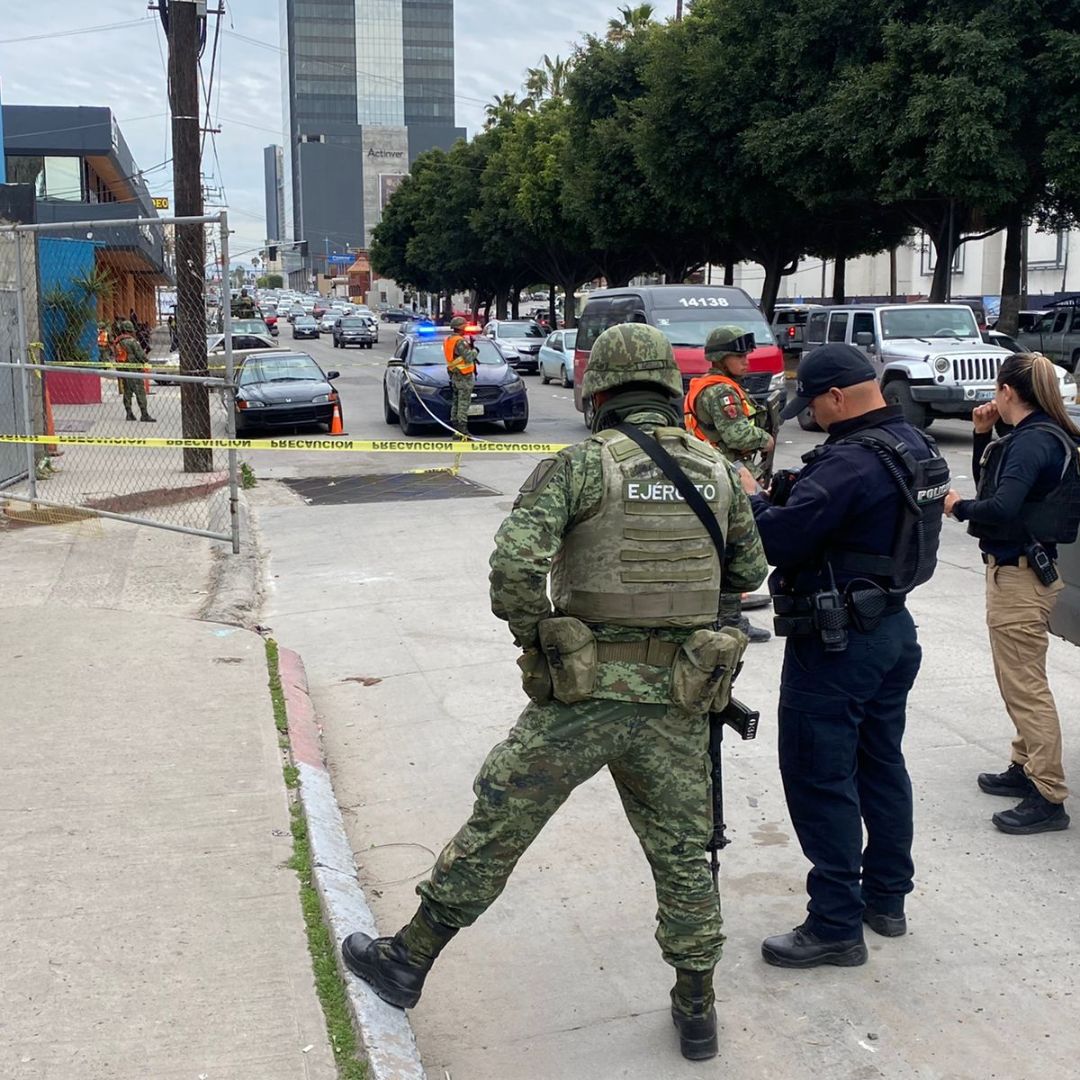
[120, 62]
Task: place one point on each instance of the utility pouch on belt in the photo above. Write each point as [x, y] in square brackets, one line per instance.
[535, 676]
[704, 668]
[570, 649]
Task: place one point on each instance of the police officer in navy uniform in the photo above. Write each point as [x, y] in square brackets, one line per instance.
[838, 538]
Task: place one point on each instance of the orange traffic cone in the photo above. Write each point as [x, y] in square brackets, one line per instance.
[50, 426]
[336, 427]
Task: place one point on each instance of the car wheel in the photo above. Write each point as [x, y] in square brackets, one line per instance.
[898, 392]
[408, 426]
[567, 378]
[514, 426]
[807, 422]
[543, 376]
[389, 415]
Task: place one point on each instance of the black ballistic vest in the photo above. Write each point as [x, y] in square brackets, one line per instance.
[1053, 518]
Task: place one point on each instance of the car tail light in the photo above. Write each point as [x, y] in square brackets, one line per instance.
[791, 331]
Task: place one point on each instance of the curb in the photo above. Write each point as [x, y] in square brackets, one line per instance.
[384, 1030]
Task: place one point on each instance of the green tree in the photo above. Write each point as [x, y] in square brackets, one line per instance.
[270, 281]
[503, 108]
[632, 19]
[548, 79]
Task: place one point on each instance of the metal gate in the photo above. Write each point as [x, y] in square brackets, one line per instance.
[87, 354]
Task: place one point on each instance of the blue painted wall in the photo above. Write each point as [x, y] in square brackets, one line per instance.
[61, 263]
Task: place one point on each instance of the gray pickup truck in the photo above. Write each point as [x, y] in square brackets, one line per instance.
[1056, 334]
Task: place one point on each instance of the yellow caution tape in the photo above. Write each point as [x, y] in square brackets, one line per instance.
[366, 446]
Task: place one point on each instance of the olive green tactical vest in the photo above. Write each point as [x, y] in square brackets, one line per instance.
[644, 558]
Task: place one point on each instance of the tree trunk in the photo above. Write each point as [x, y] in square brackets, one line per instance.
[474, 303]
[944, 250]
[553, 315]
[569, 312]
[500, 304]
[892, 275]
[839, 281]
[729, 273]
[774, 271]
[1008, 320]
[515, 303]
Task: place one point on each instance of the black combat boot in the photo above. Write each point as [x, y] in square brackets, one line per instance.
[884, 924]
[396, 967]
[754, 633]
[129, 415]
[804, 949]
[1034, 815]
[1013, 782]
[146, 418]
[694, 1014]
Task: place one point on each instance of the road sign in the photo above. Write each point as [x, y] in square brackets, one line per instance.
[161, 202]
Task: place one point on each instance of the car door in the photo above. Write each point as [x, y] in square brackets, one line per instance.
[395, 374]
[1071, 347]
[838, 326]
[1054, 340]
[552, 353]
[862, 323]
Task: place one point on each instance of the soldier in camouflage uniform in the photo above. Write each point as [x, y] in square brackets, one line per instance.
[461, 357]
[621, 673]
[127, 350]
[719, 411]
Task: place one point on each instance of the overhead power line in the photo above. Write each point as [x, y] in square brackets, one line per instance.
[52, 34]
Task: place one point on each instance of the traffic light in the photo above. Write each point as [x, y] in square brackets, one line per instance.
[302, 247]
[271, 253]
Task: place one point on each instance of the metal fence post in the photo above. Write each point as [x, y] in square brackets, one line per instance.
[24, 361]
[230, 380]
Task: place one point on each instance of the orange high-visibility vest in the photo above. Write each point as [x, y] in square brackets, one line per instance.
[103, 339]
[457, 364]
[697, 386]
[120, 352]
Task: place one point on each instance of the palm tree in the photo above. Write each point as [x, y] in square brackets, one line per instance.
[633, 19]
[504, 107]
[548, 80]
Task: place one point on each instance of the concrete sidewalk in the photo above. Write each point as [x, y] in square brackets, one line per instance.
[151, 927]
[414, 681]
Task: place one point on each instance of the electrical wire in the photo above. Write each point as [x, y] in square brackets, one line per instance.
[73, 33]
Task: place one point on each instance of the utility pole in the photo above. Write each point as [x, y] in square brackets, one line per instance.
[184, 37]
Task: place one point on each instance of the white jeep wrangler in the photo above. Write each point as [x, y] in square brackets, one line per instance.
[930, 358]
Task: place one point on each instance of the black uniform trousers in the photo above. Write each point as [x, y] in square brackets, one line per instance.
[842, 718]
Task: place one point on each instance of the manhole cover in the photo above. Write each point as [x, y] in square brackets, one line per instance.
[386, 487]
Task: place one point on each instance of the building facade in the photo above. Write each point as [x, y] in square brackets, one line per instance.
[274, 178]
[368, 86]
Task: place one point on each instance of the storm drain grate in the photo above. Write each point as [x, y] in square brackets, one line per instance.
[386, 487]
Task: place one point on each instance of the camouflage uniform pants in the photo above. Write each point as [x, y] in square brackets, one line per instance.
[658, 758]
[136, 387]
[462, 386]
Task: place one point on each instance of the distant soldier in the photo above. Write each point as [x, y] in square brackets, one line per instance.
[461, 356]
[127, 350]
[104, 345]
[718, 410]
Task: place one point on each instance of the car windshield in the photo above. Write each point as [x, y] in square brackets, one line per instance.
[430, 353]
[520, 330]
[280, 369]
[304, 320]
[689, 329]
[927, 323]
[353, 324]
[248, 326]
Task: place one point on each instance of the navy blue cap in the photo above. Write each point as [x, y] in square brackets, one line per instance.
[827, 366]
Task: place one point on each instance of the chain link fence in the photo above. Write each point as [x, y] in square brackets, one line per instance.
[95, 349]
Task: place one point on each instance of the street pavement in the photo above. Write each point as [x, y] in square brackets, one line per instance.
[151, 926]
[414, 680]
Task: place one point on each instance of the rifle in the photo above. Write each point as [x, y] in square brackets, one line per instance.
[744, 720]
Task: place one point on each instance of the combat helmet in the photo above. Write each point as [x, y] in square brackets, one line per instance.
[725, 340]
[631, 353]
[127, 327]
[458, 323]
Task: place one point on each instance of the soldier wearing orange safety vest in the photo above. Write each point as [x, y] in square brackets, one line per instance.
[127, 350]
[461, 357]
[717, 410]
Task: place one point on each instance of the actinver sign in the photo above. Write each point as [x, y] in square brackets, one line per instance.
[373, 153]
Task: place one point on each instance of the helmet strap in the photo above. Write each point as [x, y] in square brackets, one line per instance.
[620, 405]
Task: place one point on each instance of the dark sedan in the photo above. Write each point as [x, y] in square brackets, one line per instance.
[416, 387]
[353, 330]
[284, 390]
[305, 326]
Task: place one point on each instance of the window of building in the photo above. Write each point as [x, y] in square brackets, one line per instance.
[52, 177]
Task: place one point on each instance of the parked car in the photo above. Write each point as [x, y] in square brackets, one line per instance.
[271, 319]
[372, 322]
[417, 394]
[931, 358]
[789, 325]
[556, 357]
[520, 341]
[415, 326]
[249, 326]
[349, 330]
[396, 315]
[996, 337]
[326, 323]
[1056, 334]
[242, 346]
[284, 389]
[305, 326]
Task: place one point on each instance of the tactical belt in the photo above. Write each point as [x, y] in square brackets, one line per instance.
[650, 651]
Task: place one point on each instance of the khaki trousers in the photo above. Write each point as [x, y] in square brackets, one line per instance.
[1018, 610]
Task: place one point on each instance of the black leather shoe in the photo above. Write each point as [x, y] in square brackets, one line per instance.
[802, 949]
[697, 1034]
[754, 633]
[1013, 782]
[385, 964]
[885, 925]
[1034, 815]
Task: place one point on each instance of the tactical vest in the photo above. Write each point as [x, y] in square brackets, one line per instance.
[1053, 518]
[922, 485]
[644, 558]
[697, 386]
[458, 365]
[120, 351]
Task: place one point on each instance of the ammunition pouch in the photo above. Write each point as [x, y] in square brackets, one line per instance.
[570, 649]
[704, 669]
[535, 676]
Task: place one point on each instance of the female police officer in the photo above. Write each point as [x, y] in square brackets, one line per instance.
[1028, 501]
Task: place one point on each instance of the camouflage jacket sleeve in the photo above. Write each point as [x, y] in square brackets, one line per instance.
[465, 350]
[745, 565]
[557, 492]
[135, 352]
[721, 409]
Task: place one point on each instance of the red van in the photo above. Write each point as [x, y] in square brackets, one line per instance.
[686, 314]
